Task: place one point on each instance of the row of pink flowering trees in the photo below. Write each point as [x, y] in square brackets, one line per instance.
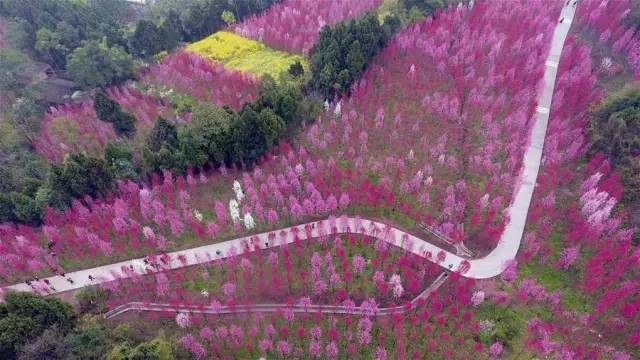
[575, 233]
[607, 20]
[205, 80]
[452, 164]
[325, 271]
[145, 108]
[436, 134]
[294, 25]
[72, 128]
[443, 120]
[442, 327]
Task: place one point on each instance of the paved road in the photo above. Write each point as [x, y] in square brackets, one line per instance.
[489, 266]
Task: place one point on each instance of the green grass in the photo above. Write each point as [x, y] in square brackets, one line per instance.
[553, 279]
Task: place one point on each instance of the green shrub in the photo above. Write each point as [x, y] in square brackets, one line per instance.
[92, 299]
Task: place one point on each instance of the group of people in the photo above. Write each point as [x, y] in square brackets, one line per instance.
[56, 270]
[574, 4]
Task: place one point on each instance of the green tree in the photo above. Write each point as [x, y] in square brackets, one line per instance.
[110, 111]
[120, 160]
[271, 127]
[17, 34]
[90, 342]
[97, 64]
[171, 30]
[14, 332]
[6, 208]
[25, 209]
[148, 39]
[296, 69]
[208, 135]
[24, 316]
[55, 45]
[426, 7]
[11, 62]
[615, 131]
[249, 138]
[49, 345]
[156, 349]
[77, 176]
[164, 133]
[228, 17]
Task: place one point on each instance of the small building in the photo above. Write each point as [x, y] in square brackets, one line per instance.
[56, 90]
[33, 72]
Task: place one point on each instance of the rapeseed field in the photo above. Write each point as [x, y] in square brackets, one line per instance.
[237, 52]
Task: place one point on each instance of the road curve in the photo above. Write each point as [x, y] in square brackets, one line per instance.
[489, 266]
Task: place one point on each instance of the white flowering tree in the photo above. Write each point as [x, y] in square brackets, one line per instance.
[234, 210]
[249, 223]
[237, 188]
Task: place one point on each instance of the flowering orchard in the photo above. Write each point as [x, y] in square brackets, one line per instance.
[440, 327]
[144, 107]
[205, 80]
[294, 25]
[576, 270]
[606, 20]
[332, 270]
[434, 132]
[452, 166]
[71, 128]
[457, 105]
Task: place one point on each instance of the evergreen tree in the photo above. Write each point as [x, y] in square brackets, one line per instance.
[110, 111]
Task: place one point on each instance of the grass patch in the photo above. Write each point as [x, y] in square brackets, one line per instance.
[237, 52]
[553, 279]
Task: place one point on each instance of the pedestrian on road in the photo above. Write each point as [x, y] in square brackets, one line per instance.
[91, 278]
[561, 20]
[575, 3]
[46, 281]
[70, 281]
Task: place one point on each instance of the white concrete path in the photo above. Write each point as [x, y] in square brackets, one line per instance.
[489, 266]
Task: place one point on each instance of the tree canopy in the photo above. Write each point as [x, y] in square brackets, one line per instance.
[97, 64]
[615, 130]
[343, 51]
[110, 111]
[24, 316]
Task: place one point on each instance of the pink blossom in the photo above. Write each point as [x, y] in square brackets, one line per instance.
[358, 263]
[283, 348]
[183, 320]
[265, 345]
[381, 353]
[315, 349]
[229, 289]
[332, 350]
[496, 349]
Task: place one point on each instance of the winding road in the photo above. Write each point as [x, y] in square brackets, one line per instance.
[488, 266]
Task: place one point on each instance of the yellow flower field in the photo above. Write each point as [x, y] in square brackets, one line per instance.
[243, 54]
